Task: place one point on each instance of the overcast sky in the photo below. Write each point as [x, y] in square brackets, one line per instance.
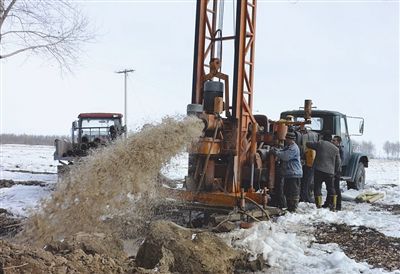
[344, 55]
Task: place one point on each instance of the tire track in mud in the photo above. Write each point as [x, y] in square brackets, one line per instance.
[10, 183]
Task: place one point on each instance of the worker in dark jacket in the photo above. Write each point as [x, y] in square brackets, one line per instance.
[291, 170]
[337, 141]
[326, 165]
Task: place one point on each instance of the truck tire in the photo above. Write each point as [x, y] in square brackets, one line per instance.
[63, 170]
[359, 182]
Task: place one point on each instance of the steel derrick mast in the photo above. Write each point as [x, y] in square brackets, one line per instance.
[225, 160]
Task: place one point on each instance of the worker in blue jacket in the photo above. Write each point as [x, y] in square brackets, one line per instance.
[291, 170]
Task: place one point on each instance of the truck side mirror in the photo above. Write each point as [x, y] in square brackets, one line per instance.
[74, 125]
[355, 125]
[362, 126]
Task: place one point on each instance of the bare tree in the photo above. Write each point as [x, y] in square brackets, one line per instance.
[368, 148]
[392, 149]
[51, 28]
[387, 148]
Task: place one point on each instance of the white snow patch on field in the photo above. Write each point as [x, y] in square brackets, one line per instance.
[293, 251]
[16, 161]
[286, 244]
[27, 158]
[20, 199]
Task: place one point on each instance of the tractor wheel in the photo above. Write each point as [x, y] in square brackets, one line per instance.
[62, 169]
[359, 182]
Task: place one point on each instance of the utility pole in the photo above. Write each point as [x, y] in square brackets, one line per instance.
[125, 72]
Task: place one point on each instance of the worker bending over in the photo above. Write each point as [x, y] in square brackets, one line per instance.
[291, 170]
[326, 165]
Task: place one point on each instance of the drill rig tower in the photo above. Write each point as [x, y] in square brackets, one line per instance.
[225, 166]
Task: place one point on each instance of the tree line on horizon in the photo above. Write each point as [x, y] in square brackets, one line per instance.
[391, 149]
[26, 139]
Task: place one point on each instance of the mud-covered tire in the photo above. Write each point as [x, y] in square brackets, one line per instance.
[359, 182]
[62, 170]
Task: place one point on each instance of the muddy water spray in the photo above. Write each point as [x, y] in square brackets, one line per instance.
[117, 181]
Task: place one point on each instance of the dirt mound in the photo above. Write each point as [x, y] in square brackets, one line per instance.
[20, 259]
[95, 243]
[362, 244]
[171, 248]
[113, 188]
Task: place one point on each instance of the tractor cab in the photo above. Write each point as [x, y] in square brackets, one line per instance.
[90, 131]
[97, 128]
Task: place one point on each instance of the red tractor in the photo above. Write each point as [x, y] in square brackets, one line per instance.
[90, 131]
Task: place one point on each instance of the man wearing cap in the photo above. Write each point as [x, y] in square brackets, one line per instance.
[291, 170]
[326, 165]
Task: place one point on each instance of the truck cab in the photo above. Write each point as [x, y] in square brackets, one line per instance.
[353, 162]
[90, 131]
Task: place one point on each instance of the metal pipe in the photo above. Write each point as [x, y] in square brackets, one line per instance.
[307, 109]
[242, 199]
[252, 176]
[125, 105]
[257, 205]
[249, 215]
[220, 27]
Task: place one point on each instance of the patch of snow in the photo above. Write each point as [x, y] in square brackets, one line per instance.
[287, 244]
[23, 176]
[383, 172]
[177, 167]
[20, 199]
[17, 160]
[287, 252]
[26, 157]
[352, 214]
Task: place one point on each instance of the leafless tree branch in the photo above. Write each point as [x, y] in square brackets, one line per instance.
[55, 29]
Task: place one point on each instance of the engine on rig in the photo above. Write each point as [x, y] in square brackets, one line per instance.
[213, 162]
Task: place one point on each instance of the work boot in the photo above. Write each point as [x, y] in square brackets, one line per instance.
[318, 201]
[292, 204]
[328, 202]
[333, 205]
[338, 205]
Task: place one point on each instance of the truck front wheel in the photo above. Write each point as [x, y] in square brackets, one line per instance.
[359, 182]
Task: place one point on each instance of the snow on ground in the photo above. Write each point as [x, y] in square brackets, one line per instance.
[20, 199]
[26, 157]
[291, 251]
[16, 161]
[287, 244]
[177, 167]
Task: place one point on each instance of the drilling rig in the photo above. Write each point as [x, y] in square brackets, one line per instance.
[231, 165]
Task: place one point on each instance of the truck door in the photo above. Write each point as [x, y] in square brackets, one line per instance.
[345, 141]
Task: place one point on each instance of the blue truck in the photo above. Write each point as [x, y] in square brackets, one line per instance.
[353, 162]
